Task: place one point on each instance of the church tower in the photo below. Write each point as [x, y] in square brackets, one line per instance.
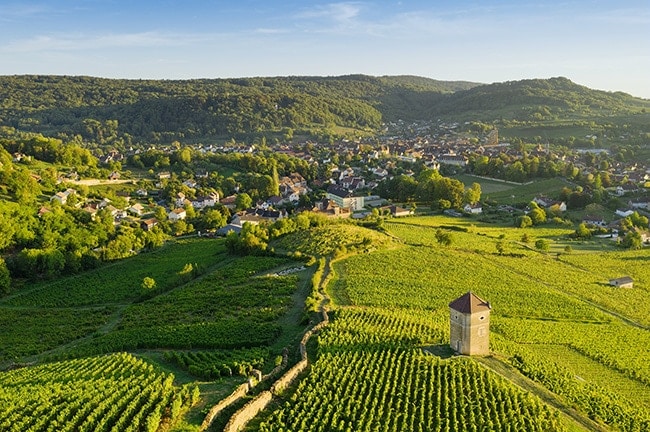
[469, 322]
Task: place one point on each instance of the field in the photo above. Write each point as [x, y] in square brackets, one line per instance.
[555, 320]
[117, 392]
[507, 193]
[572, 350]
[217, 318]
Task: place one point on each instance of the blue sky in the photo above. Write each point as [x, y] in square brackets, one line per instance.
[601, 44]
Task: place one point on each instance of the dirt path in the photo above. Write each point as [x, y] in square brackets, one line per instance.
[576, 420]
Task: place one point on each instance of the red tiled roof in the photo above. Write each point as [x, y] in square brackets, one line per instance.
[469, 303]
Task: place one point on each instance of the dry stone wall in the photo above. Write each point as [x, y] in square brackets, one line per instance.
[248, 411]
[223, 404]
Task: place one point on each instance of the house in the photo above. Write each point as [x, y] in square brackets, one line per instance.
[543, 201]
[622, 282]
[640, 203]
[598, 221]
[62, 197]
[272, 202]
[251, 218]
[329, 208]
[205, 201]
[114, 175]
[396, 211]
[624, 212]
[469, 323]
[177, 214]
[179, 199]
[164, 175]
[91, 209]
[380, 172]
[223, 231]
[344, 198]
[352, 183]
[626, 188]
[115, 212]
[453, 159]
[230, 202]
[136, 209]
[42, 211]
[148, 224]
[475, 208]
[103, 203]
[189, 183]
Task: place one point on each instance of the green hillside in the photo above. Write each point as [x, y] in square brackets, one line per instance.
[122, 112]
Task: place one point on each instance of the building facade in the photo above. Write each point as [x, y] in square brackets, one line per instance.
[469, 322]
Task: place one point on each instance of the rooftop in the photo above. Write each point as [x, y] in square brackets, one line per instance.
[470, 303]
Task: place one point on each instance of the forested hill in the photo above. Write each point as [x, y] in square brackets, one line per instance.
[111, 111]
[535, 99]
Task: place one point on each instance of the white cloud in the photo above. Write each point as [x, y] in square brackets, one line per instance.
[78, 42]
[355, 18]
[271, 31]
[627, 16]
[21, 11]
[339, 12]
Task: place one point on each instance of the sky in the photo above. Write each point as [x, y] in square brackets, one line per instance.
[601, 44]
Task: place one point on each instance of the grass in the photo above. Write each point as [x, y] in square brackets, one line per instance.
[526, 193]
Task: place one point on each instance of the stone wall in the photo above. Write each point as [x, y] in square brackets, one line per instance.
[223, 404]
[286, 379]
[248, 411]
[261, 401]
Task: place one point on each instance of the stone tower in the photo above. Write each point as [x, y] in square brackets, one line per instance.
[470, 325]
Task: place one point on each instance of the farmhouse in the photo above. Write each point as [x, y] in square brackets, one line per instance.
[475, 208]
[469, 323]
[148, 224]
[396, 211]
[177, 214]
[622, 282]
[62, 197]
[136, 209]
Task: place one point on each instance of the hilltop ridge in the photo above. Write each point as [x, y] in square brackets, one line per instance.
[199, 109]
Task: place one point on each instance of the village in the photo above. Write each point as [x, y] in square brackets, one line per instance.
[348, 173]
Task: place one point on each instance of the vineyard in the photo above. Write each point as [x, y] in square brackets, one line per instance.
[555, 320]
[214, 364]
[228, 308]
[384, 359]
[329, 239]
[370, 368]
[397, 390]
[116, 392]
[121, 281]
[210, 317]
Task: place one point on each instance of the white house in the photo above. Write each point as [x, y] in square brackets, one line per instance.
[624, 212]
[205, 201]
[62, 197]
[475, 208]
[136, 209]
[177, 214]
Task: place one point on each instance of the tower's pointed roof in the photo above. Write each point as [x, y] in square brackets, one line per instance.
[470, 303]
